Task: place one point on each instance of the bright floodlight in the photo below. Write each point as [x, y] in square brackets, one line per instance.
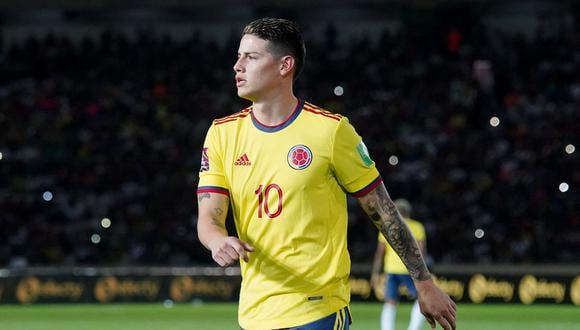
[106, 223]
[47, 196]
[479, 233]
[393, 160]
[569, 149]
[564, 187]
[1, 156]
[494, 121]
[338, 90]
[96, 238]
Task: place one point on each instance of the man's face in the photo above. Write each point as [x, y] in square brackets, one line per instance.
[257, 70]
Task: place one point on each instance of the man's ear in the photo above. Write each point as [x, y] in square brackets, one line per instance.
[287, 64]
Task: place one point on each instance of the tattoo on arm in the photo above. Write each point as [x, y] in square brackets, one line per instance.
[383, 213]
[217, 212]
[216, 216]
[203, 196]
[217, 223]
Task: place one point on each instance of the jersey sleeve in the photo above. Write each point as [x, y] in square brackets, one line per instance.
[418, 232]
[211, 172]
[352, 164]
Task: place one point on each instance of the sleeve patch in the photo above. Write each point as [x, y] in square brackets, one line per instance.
[363, 152]
[204, 161]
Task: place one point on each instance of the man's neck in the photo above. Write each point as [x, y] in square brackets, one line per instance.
[275, 111]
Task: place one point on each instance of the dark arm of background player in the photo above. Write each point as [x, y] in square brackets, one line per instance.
[378, 263]
[383, 213]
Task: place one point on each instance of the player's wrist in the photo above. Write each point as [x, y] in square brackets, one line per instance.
[215, 241]
[424, 278]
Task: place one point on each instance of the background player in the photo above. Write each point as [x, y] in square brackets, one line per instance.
[396, 272]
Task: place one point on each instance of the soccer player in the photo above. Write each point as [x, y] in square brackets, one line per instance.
[397, 273]
[284, 166]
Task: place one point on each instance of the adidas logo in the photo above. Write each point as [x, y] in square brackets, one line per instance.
[243, 160]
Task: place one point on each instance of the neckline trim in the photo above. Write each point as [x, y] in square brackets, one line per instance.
[284, 124]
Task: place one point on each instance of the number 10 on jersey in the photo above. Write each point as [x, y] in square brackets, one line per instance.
[264, 205]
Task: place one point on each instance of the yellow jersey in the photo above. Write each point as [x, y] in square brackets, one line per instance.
[392, 263]
[287, 186]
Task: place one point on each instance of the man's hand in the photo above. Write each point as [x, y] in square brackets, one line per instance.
[436, 305]
[227, 250]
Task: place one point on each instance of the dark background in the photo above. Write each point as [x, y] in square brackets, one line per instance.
[104, 106]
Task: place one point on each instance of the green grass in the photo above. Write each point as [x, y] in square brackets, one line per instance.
[220, 316]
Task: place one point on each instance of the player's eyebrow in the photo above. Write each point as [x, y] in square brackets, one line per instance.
[248, 53]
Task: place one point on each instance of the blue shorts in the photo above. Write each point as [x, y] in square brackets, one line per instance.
[394, 281]
[337, 321]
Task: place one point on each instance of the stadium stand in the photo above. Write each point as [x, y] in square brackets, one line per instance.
[110, 125]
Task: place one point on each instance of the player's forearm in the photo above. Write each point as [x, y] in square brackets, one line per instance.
[209, 229]
[422, 247]
[383, 213]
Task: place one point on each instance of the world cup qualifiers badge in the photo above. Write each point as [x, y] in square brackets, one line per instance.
[364, 154]
[299, 157]
[204, 161]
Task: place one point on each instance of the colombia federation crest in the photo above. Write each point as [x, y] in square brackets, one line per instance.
[299, 157]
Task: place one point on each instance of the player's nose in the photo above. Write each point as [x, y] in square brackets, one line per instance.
[238, 67]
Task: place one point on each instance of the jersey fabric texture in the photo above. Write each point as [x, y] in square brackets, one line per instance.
[287, 186]
[392, 263]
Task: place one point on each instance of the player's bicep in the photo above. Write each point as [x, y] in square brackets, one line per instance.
[212, 209]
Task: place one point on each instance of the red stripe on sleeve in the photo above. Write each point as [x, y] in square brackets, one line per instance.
[217, 190]
[370, 187]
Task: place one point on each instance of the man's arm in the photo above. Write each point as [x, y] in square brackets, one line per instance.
[435, 305]
[377, 263]
[380, 208]
[212, 232]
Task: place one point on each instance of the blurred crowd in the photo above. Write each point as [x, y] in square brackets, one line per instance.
[100, 140]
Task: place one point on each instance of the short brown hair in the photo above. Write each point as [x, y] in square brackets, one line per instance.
[284, 36]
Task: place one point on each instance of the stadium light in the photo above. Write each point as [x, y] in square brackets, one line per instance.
[338, 90]
[96, 238]
[47, 196]
[564, 187]
[106, 223]
[570, 148]
[494, 121]
[1, 156]
[479, 233]
[394, 160]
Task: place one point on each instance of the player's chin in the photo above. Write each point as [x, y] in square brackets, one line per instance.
[245, 95]
[241, 92]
